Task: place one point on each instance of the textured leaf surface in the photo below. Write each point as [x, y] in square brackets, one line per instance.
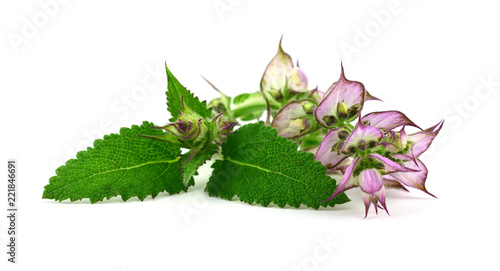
[189, 168]
[176, 92]
[123, 165]
[260, 166]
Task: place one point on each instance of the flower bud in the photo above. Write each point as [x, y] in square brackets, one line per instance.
[296, 119]
[297, 124]
[308, 108]
[189, 130]
[276, 94]
[297, 81]
[342, 110]
[277, 72]
[281, 81]
[224, 128]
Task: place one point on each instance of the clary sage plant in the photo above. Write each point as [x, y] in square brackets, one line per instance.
[286, 160]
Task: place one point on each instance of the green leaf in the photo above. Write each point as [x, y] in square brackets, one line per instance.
[123, 165]
[190, 165]
[260, 166]
[176, 92]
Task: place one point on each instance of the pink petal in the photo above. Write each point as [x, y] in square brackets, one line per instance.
[381, 198]
[393, 184]
[387, 120]
[422, 140]
[367, 200]
[370, 181]
[326, 155]
[362, 136]
[375, 199]
[369, 97]
[343, 166]
[298, 80]
[351, 93]
[391, 166]
[347, 182]
[415, 179]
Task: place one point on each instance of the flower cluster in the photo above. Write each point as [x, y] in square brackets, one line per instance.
[374, 154]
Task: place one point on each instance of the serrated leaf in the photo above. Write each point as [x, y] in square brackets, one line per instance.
[260, 166]
[189, 165]
[176, 93]
[121, 164]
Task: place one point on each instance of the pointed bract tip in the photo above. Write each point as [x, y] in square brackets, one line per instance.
[436, 128]
[217, 117]
[428, 193]
[342, 75]
[383, 208]
[366, 202]
[280, 49]
[335, 193]
[212, 85]
[167, 70]
[369, 97]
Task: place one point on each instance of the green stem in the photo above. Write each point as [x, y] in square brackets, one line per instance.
[248, 108]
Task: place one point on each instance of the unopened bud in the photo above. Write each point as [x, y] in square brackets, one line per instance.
[342, 110]
[298, 80]
[297, 124]
[276, 93]
[308, 108]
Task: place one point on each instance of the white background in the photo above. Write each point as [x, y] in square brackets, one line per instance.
[78, 72]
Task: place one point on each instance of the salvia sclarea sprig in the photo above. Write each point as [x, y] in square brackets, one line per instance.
[286, 160]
